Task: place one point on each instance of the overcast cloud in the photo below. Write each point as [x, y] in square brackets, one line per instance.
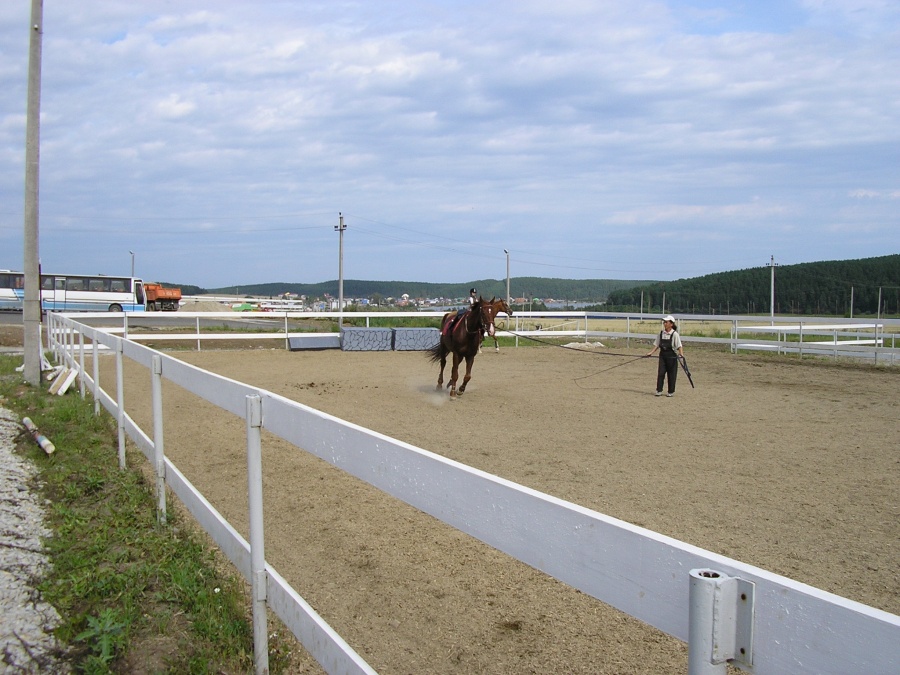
[219, 139]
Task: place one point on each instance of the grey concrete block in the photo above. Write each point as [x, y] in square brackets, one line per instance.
[314, 341]
[367, 339]
[415, 339]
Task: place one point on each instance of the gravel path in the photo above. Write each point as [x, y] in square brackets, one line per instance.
[27, 644]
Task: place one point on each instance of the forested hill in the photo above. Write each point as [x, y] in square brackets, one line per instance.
[584, 290]
[820, 288]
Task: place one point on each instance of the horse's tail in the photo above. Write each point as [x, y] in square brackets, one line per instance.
[437, 352]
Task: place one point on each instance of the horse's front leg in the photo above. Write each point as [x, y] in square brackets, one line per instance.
[469, 361]
[454, 374]
[496, 345]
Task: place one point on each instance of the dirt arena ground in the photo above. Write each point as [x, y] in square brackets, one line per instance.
[791, 466]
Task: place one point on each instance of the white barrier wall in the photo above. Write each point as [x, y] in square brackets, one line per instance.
[770, 623]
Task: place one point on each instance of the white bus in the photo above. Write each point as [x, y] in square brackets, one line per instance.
[75, 292]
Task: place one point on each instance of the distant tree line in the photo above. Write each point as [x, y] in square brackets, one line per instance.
[820, 288]
[575, 290]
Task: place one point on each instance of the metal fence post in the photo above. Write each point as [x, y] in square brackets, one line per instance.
[257, 539]
[159, 455]
[720, 622]
[72, 344]
[120, 402]
[81, 363]
[95, 364]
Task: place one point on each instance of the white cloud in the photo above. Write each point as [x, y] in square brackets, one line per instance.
[875, 194]
[697, 213]
[174, 107]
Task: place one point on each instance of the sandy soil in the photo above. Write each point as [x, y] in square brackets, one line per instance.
[788, 465]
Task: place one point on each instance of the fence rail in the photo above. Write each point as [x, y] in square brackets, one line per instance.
[876, 341]
[727, 611]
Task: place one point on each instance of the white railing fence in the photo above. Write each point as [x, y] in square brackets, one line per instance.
[729, 612]
[875, 341]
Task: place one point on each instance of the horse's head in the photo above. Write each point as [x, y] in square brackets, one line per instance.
[485, 311]
[501, 306]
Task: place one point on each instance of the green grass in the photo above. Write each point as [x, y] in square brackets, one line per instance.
[129, 590]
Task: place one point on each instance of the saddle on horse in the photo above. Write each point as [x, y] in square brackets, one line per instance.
[451, 324]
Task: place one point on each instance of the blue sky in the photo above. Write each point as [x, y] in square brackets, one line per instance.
[648, 139]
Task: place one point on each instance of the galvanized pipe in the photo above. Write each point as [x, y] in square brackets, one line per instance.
[120, 402]
[257, 539]
[159, 455]
[701, 623]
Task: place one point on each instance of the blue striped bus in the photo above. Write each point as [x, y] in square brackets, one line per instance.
[75, 292]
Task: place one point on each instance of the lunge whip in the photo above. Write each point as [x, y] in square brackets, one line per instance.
[687, 371]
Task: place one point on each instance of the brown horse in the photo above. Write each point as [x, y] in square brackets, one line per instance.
[499, 306]
[461, 335]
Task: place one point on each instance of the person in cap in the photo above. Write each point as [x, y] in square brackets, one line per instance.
[473, 296]
[668, 344]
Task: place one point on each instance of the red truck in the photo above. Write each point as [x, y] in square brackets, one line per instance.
[159, 298]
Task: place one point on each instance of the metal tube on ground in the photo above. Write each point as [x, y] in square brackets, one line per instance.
[41, 440]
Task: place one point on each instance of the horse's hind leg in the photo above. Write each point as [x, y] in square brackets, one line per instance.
[441, 373]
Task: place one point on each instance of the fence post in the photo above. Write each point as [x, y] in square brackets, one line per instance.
[95, 365]
[69, 360]
[257, 540]
[120, 402]
[720, 622]
[81, 363]
[159, 455]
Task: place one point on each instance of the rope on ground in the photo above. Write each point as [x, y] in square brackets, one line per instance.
[584, 351]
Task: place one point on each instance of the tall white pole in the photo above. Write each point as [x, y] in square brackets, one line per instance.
[340, 227]
[132, 262]
[31, 311]
[508, 298]
[772, 264]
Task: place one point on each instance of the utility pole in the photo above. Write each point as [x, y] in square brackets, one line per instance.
[773, 265]
[508, 298]
[31, 310]
[340, 227]
[132, 262]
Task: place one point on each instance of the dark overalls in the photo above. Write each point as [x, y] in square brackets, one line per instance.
[668, 362]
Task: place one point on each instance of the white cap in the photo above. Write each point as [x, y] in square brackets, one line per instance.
[669, 317]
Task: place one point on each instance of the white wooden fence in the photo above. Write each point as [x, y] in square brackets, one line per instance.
[727, 611]
[878, 341]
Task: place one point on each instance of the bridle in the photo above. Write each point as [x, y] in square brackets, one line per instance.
[483, 308]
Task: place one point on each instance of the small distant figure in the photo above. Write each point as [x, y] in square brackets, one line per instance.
[668, 344]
